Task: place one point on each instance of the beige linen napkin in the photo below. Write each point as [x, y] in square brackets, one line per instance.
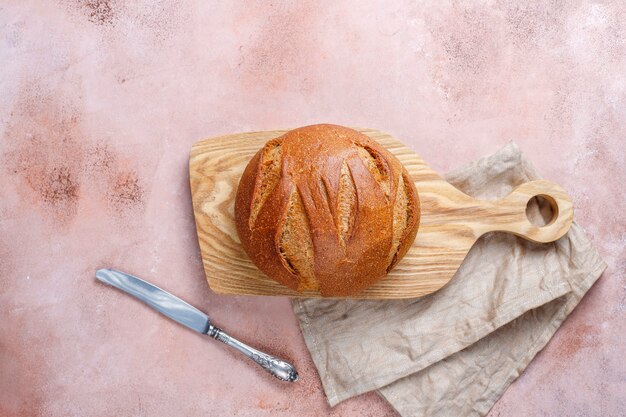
[454, 352]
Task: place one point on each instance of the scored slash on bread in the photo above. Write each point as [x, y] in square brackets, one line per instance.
[326, 208]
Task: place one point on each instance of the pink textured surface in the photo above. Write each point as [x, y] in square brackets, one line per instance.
[101, 100]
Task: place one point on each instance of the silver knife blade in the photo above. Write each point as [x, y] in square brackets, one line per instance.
[160, 300]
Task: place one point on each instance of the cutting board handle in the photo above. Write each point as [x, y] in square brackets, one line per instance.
[509, 213]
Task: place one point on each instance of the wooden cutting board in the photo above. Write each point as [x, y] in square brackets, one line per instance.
[450, 223]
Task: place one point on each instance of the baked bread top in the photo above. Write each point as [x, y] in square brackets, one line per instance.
[326, 208]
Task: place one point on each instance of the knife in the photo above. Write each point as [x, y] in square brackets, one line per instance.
[187, 315]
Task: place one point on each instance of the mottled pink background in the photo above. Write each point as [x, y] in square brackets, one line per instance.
[101, 100]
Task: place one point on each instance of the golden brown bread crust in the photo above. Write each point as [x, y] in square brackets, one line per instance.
[326, 207]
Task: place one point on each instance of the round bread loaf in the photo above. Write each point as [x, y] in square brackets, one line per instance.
[326, 208]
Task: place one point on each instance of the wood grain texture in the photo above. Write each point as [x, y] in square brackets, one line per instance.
[450, 223]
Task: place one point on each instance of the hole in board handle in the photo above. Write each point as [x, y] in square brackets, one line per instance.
[542, 210]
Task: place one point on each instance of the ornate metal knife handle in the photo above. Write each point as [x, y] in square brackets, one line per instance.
[279, 368]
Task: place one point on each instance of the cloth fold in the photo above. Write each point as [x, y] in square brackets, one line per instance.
[455, 352]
